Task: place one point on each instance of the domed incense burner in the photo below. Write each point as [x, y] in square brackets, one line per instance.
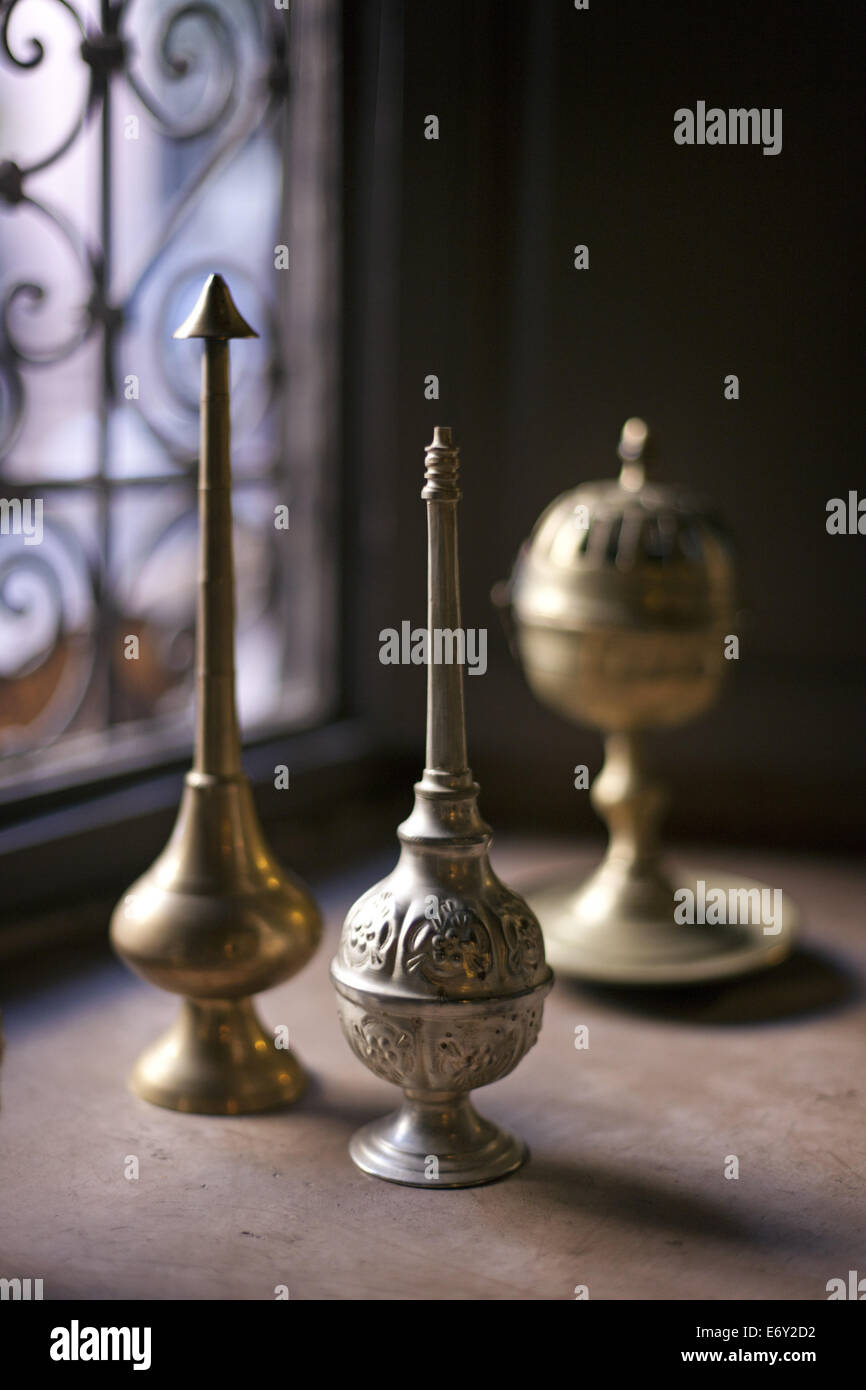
[215, 918]
[621, 603]
[440, 973]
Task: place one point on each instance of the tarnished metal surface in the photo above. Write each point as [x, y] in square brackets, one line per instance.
[440, 973]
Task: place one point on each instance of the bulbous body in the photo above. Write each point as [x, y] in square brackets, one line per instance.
[215, 916]
[621, 605]
[440, 977]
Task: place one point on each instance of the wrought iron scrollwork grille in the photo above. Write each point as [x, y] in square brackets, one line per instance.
[175, 149]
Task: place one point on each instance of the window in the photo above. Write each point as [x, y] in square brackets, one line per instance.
[146, 145]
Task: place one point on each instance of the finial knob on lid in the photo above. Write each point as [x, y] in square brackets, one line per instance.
[441, 468]
[634, 448]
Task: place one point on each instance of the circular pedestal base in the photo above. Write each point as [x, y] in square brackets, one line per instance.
[588, 936]
[438, 1140]
[216, 1060]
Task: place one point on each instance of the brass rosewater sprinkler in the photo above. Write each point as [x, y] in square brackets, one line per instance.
[621, 604]
[216, 919]
[440, 973]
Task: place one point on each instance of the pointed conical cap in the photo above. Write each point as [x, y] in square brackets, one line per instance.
[215, 315]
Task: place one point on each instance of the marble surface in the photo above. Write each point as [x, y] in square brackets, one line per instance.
[625, 1191]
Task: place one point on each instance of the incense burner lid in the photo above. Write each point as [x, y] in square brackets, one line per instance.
[624, 553]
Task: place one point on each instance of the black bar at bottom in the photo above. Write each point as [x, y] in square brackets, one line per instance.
[62, 1339]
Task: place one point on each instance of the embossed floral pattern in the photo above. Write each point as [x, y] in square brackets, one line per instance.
[470, 1061]
[386, 1048]
[370, 932]
[450, 944]
[454, 1054]
[471, 1057]
[524, 943]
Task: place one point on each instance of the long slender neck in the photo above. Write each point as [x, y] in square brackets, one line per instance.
[446, 720]
[217, 742]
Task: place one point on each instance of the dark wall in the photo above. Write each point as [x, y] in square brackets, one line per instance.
[556, 127]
